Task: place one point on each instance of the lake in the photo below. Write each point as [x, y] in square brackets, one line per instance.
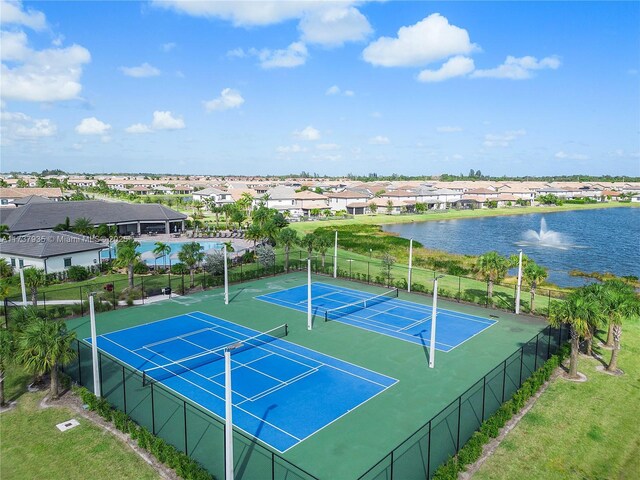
[599, 240]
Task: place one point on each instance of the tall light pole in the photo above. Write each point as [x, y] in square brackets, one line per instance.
[94, 347]
[309, 310]
[226, 276]
[519, 283]
[335, 256]
[410, 265]
[228, 416]
[432, 345]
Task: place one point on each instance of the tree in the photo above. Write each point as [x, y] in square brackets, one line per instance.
[595, 292]
[287, 238]
[627, 306]
[373, 207]
[163, 250]
[4, 232]
[5, 269]
[254, 232]
[322, 245]
[191, 254]
[389, 207]
[21, 183]
[266, 256]
[214, 262]
[387, 264]
[238, 217]
[420, 207]
[43, 346]
[533, 274]
[83, 226]
[6, 353]
[575, 312]
[34, 278]
[63, 227]
[308, 242]
[127, 256]
[492, 267]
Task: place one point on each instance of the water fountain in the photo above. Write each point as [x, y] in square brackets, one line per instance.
[545, 238]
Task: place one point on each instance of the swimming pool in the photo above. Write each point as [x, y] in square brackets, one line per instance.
[146, 249]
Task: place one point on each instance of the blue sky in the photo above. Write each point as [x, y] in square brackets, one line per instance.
[417, 88]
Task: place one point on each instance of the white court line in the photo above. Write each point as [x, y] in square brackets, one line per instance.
[281, 385]
[179, 337]
[212, 394]
[300, 355]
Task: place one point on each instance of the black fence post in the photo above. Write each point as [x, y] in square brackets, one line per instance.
[504, 379]
[459, 288]
[186, 445]
[484, 394]
[79, 364]
[549, 343]
[44, 301]
[535, 361]
[521, 363]
[124, 390]
[429, 452]
[113, 293]
[81, 303]
[182, 293]
[142, 288]
[459, 418]
[153, 412]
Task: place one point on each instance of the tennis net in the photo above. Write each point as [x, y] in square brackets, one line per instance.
[186, 364]
[340, 312]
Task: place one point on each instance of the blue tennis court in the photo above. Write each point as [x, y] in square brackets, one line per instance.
[282, 392]
[397, 318]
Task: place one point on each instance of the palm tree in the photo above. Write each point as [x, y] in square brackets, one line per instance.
[162, 250]
[533, 274]
[127, 256]
[34, 278]
[254, 232]
[288, 238]
[576, 312]
[627, 307]
[4, 232]
[6, 352]
[595, 291]
[613, 293]
[43, 346]
[492, 267]
[63, 227]
[107, 231]
[83, 226]
[309, 242]
[238, 217]
[322, 245]
[191, 254]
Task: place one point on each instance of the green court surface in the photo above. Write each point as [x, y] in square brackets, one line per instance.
[348, 447]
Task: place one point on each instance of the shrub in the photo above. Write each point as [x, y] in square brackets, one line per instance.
[266, 256]
[179, 268]
[140, 268]
[77, 273]
[214, 263]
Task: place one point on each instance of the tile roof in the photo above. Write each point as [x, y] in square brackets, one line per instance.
[44, 244]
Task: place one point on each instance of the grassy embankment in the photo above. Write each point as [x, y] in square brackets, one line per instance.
[578, 430]
[32, 446]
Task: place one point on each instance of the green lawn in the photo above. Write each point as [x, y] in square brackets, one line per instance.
[578, 430]
[32, 447]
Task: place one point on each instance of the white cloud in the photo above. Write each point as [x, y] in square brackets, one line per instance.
[454, 67]
[379, 140]
[229, 98]
[12, 13]
[502, 139]
[376, 114]
[457, 156]
[328, 157]
[166, 121]
[334, 90]
[515, 68]
[570, 156]
[448, 129]
[47, 75]
[335, 25]
[141, 71]
[295, 148]
[138, 128]
[242, 14]
[294, 55]
[632, 71]
[167, 47]
[328, 146]
[308, 133]
[236, 53]
[19, 126]
[92, 126]
[429, 40]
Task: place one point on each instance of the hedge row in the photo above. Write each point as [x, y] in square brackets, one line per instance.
[490, 428]
[182, 464]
